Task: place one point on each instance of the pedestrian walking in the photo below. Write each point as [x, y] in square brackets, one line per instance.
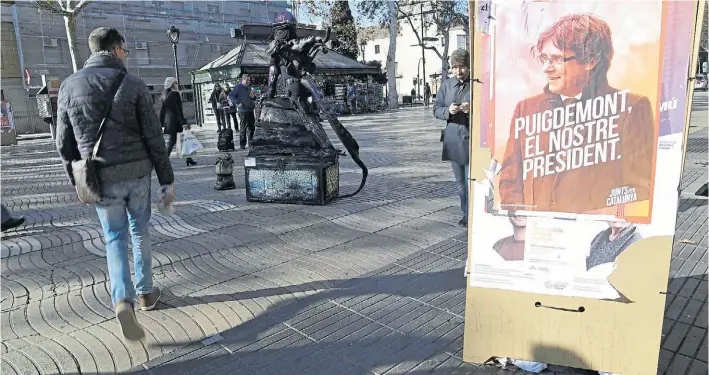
[172, 117]
[216, 105]
[243, 96]
[231, 113]
[453, 106]
[226, 107]
[9, 222]
[110, 139]
[426, 94]
[352, 97]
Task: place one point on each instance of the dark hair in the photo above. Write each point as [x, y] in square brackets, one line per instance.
[104, 39]
[585, 34]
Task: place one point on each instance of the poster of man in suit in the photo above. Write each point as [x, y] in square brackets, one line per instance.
[578, 132]
[583, 111]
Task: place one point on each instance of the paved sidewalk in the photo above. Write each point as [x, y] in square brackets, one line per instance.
[367, 285]
[684, 342]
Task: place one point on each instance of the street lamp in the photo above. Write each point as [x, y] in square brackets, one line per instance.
[418, 76]
[174, 34]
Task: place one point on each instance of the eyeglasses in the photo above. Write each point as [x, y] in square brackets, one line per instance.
[554, 60]
[125, 50]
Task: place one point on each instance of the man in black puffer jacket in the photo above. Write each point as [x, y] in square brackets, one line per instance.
[132, 146]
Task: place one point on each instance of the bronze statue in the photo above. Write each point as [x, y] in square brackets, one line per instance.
[297, 56]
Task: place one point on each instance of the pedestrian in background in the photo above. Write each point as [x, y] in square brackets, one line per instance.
[106, 115]
[426, 94]
[172, 117]
[216, 105]
[231, 113]
[352, 97]
[226, 106]
[453, 106]
[243, 96]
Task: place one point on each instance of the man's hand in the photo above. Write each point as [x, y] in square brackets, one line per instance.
[169, 194]
[465, 107]
[453, 109]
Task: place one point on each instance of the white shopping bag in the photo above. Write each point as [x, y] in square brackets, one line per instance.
[189, 143]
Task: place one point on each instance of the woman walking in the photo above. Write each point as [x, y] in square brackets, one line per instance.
[171, 116]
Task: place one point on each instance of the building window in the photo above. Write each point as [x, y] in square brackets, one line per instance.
[142, 54]
[49, 42]
[212, 9]
[52, 52]
[462, 42]
[376, 49]
[216, 48]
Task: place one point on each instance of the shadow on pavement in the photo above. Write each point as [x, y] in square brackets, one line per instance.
[291, 338]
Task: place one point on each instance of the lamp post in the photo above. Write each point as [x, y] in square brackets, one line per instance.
[418, 77]
[174, 34]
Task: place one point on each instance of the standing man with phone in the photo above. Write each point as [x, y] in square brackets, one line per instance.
[453, 106]
[243, 97]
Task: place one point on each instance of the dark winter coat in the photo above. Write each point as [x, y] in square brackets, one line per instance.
[456, 141]
[171, 116]
[132, 143]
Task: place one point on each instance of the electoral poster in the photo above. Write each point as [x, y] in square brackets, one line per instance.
[584, 117]
[576, 88]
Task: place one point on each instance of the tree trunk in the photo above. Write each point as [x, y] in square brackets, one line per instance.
[391, 56]
[70, 24]
[444, 59]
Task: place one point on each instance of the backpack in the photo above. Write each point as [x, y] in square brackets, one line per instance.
[225, 169]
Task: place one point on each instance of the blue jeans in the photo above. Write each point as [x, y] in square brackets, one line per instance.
[461, 173]
[124, 208]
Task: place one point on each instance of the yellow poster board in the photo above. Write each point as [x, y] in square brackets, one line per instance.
[563, 324]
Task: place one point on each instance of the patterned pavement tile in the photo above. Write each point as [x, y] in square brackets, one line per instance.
[372, 284]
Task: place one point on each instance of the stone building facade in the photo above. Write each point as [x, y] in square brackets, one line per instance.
[41, 43]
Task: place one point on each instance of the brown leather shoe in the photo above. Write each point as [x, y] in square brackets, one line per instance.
[130, 327]
[148, 301]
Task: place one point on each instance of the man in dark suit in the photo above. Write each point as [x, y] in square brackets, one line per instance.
[575, 53]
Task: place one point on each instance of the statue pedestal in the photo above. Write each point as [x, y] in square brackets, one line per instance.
[286, 164]
[294, 179]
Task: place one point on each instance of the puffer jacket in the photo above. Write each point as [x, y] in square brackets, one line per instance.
[132, 143]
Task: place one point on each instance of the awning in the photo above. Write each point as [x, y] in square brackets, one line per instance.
[252, 58]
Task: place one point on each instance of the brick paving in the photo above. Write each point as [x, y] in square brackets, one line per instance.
[366, 285]
[684, 342]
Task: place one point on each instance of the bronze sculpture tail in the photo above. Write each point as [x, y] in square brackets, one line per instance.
[351, 146]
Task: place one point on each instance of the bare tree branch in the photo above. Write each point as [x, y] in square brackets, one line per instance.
[434, 49]
[81, 5]
[51, 6]
[70, 15]
[411, 23]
